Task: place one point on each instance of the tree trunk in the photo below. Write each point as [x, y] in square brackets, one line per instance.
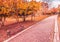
[31, 17]
[17, 18]
[3, 20]
[23, 18]
[0, 22]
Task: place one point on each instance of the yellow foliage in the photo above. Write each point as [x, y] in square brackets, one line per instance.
[29, 12]
[34, 6]
[21, 11]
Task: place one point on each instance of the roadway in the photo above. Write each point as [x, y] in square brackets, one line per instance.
[43, 31]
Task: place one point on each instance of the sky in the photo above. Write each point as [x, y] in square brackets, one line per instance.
[52, 3]
[55, 3]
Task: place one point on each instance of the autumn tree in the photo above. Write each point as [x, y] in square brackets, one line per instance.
[20, 8]
[28, 8]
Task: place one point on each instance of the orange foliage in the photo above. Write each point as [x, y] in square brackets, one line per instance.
[8, 5]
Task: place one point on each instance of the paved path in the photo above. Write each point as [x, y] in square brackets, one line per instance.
[59, 26]
[42, 31]
[56, 30]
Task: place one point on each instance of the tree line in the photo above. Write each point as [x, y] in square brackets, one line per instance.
[18, 9]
